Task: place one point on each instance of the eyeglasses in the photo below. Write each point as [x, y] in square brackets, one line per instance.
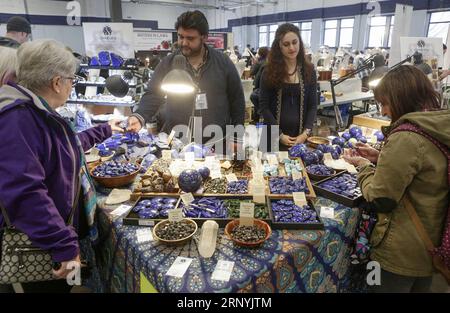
[75, 79]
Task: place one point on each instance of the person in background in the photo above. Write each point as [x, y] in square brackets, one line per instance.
[42, 165]
[380, 68]
[421, 65]
[18, 31]
[211, 70]
[411, 167]
[445, 73]
[288, 95]
[236, 51]
[8, 62]
[255, 73]
[263, 53]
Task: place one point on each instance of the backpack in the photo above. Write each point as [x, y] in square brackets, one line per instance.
[440, 255]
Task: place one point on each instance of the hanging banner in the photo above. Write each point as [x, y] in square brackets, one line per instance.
[216, 40]
[152, 40]
[430, 48]
[112, 37]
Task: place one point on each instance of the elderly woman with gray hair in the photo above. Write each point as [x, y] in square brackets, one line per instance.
[42, 166]
[8, 62]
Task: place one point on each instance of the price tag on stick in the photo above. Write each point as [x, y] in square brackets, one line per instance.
[175, 215]
[246, 214]
[187, 198]
[300, 199]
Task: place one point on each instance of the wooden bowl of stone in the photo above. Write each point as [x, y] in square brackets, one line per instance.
[313, 142]
[175, 233]
[248, 236]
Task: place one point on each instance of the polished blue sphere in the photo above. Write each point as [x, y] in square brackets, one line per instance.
[204, 172]
[355, 132]
[189, 180]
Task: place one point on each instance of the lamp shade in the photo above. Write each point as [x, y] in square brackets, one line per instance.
[178, 81]
[117, 86]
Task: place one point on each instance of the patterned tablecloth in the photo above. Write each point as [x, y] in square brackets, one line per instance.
[290, 261]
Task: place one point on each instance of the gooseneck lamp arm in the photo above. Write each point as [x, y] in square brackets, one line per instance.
[368, 64]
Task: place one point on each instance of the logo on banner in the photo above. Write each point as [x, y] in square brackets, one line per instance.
[107, 31]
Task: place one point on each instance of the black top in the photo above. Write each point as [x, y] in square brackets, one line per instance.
[290, 110]
[289, 120]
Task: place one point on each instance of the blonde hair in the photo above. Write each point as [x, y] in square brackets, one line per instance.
[40, 61]
[8, 62]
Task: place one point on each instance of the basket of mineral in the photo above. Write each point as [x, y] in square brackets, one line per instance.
[175, 233]
[248, 236]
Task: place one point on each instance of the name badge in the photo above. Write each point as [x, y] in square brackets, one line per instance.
[201, 103]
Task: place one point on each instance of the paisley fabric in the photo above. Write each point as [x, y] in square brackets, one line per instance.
[290, 261]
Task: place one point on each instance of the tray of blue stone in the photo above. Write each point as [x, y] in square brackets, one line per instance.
[149, 210]
[342, 188]
[285, 214]
[221, 209]
[285, 186]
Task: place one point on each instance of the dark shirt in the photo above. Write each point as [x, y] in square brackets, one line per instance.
[268, 105]
[290, 110]
[218, 79]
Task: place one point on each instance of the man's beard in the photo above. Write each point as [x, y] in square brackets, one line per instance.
[189, 52]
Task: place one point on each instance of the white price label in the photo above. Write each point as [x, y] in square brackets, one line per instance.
[258, 176]
[351, 169]
[226, 165]
[187, 198]
[167, 154]
[300, 199]
[272, 159]
[121, 210]
[179, 267]
[189, 157]
[216, 174]
[247, 209]
[146, 223]
[210, 160]
[223, 270]
[327, 157]
[231, 177]
[259, 192]
[327, 212]
[144, 235]
[283, 155]
[175, 215]
[94, 151]
[170, 138]
[373, 139]
[246, 214]
[296, 175]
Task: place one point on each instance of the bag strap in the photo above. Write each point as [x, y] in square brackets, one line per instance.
[72, 211]
[416, 129]
[418, 224]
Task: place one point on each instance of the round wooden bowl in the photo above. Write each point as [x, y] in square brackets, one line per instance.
[313, 142]
[258, 223]
[177, 241]
[115, 182]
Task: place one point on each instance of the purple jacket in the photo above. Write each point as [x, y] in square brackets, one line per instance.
[39, 167]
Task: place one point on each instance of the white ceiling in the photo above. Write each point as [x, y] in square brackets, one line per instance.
[205, 4]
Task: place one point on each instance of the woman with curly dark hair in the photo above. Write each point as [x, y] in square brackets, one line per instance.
[288, 88]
